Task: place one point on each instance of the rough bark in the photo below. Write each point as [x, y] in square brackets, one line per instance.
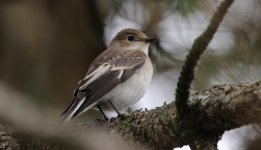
[207, 115]
[214, 111]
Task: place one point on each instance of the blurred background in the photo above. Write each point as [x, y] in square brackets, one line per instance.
[46, 46]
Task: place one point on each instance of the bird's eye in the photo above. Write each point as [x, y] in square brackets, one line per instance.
[130, 38]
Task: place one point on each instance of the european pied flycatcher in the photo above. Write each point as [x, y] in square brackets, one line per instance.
[117, 78]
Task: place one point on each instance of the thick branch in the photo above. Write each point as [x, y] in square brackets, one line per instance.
[215, 110]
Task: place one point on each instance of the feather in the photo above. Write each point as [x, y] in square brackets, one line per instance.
[107, 71]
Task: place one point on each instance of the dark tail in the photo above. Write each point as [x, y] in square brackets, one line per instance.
[67, 114]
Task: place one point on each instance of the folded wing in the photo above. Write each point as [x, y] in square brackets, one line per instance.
[105, 74]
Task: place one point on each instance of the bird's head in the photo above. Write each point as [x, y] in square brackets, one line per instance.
[132, 39]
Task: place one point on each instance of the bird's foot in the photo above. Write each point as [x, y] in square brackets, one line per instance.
[121, 116]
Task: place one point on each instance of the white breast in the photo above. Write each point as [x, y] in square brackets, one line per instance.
[132, 90]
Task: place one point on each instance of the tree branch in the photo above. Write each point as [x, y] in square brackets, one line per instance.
[199, 46]
[215, 110]
[211, 112]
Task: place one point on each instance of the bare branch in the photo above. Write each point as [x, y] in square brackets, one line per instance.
[214, 111]
[199, 46]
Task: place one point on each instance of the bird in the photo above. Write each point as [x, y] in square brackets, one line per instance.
[117, 78]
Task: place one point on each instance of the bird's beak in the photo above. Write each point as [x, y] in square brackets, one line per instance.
[149, 39]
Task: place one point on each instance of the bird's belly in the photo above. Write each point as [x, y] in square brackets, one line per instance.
[130, 91]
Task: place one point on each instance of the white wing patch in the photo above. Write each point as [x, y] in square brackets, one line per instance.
[120, 68]
[95, 75]
[119, 76]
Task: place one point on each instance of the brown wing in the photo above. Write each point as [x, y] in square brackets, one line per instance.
[108, 72]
